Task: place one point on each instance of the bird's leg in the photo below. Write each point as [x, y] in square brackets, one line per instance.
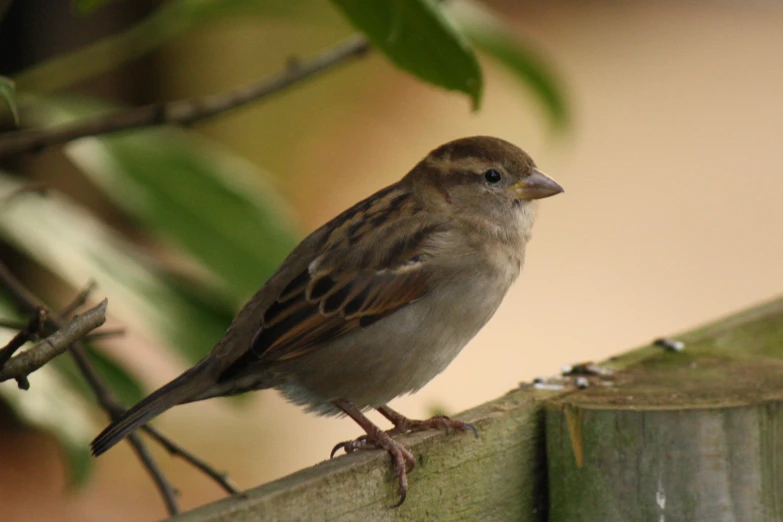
[402, 459]
[403, 424]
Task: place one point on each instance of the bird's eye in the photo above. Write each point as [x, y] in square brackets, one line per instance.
[492, 176]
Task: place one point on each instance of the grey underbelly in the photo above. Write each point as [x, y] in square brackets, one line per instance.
[392, 357]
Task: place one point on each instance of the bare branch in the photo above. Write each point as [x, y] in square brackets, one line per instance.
[24, 299]
[182, 112]
[30, 360]
[28, 332]
[79, 300]
[175, 450]
[28, 303]
[167, 491]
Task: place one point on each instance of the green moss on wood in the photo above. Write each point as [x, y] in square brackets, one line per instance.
[693, 435]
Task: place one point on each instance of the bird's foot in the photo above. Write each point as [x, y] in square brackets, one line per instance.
[403, 460]
[403, 424]
[361, 443]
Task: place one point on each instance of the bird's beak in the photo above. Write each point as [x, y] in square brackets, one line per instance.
[536, 186]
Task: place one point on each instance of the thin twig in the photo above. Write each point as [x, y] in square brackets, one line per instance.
[27, 302]
[31, 360]
[24, 299]
[28, 332]
[182, 112]
[167, 491]
[175, 450]
[107, 400]
[79, 300]
[115, 409]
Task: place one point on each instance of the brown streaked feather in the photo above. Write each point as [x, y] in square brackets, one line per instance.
[297, 285]
[311, 322]
[360, 277]
[327, 319]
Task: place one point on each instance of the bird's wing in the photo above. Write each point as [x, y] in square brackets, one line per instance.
[343, 290]
[334, 304]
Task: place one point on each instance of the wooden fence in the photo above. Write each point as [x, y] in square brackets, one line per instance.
[667, 436]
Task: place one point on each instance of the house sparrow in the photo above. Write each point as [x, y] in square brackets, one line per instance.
[379, 300]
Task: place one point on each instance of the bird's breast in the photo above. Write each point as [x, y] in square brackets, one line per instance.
[402, 352]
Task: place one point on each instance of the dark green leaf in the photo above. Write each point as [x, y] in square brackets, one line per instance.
[217, 207]
[8, 97]
[190, 192]
[417, 36]
[527, 67]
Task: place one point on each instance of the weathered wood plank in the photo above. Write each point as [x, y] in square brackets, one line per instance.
[692, 435]
[499, 476]
[669, 436]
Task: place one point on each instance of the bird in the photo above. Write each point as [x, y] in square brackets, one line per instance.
[379, 300]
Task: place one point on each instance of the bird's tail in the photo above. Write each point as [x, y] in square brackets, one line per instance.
[184, 388]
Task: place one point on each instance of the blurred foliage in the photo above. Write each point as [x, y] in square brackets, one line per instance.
[8, 97]
[219, 208]
[77, 246]
[213, 225]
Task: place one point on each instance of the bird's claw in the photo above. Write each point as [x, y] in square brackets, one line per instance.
[361, 443]
[403, 460]
[442, 423]
[403, 424]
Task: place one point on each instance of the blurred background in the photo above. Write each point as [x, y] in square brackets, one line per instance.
[668, 147]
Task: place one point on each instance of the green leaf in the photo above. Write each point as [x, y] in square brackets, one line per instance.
[77, 247]
[8, 95]
[200, 198]
[418, 37]
[529, 68]
[215, 206]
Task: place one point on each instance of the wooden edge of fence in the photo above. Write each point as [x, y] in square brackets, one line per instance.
[667, 433]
